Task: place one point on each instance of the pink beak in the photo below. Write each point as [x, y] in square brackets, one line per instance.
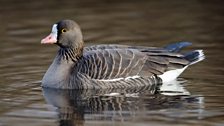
[50, 39]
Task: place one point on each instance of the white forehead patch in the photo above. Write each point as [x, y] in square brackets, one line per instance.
[54, 30]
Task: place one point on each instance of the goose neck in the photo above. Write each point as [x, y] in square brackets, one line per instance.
[70, 54]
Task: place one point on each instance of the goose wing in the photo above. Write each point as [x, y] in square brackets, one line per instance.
[115, 46]
[111, 62]
[174, 47]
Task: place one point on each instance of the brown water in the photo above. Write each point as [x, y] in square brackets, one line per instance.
[151, 23]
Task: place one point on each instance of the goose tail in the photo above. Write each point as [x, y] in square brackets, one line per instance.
[194, 56]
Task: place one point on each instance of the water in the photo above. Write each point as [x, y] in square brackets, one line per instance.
[150, 23]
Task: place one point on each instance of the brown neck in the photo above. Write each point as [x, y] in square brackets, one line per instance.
[71, 53]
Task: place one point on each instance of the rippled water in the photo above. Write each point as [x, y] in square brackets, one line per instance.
[151, 23]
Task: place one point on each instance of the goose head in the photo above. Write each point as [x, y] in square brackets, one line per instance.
[66, 34]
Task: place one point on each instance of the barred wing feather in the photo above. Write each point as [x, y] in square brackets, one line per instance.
[110, 62]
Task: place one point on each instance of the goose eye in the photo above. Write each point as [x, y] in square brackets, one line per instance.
[63, 30]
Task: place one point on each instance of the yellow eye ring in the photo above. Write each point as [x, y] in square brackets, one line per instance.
[63, 30]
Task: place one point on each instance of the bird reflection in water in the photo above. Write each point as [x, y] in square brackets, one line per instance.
[73, 107]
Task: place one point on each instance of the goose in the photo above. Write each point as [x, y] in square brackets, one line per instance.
[113, 65]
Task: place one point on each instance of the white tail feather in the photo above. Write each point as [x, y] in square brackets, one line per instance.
[200, 57]
[173, 74]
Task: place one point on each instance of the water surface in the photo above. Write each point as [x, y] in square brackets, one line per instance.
[149, 23]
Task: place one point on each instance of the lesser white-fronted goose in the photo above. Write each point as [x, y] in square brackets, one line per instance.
[111, 66]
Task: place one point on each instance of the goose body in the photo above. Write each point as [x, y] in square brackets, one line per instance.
[111, 66]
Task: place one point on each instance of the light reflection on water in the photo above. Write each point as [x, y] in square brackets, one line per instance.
[151, 23]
